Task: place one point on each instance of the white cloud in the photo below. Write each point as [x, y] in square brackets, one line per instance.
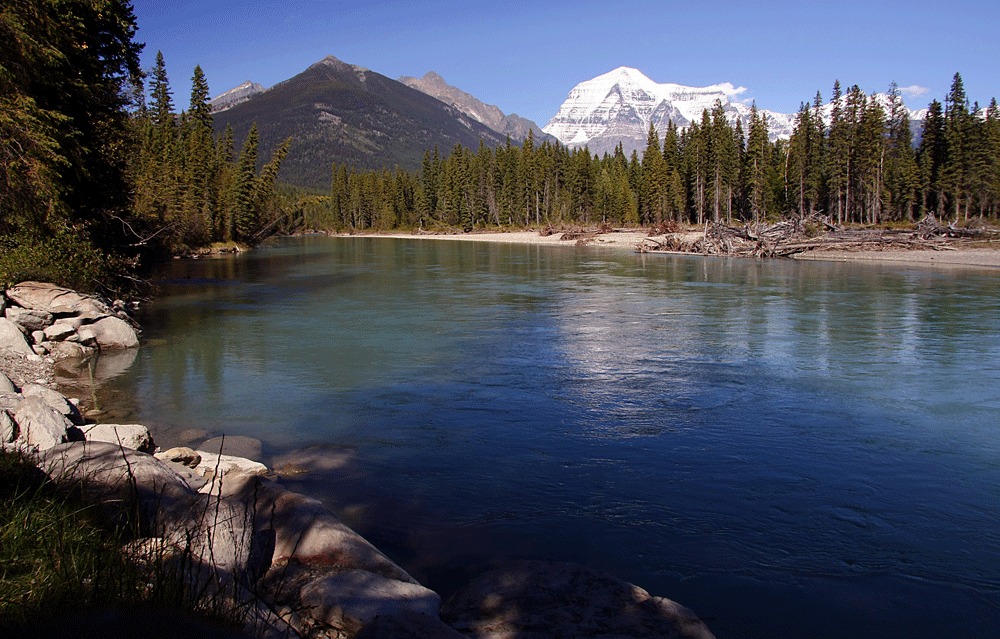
[913, 90]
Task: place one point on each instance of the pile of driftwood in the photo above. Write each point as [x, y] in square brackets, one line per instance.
[787, 238]
[579, 234]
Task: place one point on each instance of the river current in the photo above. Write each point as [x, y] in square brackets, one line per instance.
[791, 449]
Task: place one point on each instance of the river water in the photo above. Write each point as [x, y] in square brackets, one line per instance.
[791, 449]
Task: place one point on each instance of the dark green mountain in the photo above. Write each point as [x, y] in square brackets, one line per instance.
[337, 112]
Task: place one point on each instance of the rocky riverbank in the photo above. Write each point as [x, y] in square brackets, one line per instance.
[281, 561]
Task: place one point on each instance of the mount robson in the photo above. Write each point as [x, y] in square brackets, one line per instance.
[336, 112]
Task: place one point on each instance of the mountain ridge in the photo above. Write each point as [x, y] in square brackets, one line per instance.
[506, 124]
[336, 112]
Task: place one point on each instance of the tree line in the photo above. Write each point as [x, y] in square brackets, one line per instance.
[92, 178]
[859, 164]
[191, 188]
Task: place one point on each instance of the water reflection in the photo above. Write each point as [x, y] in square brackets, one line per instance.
[744, 436]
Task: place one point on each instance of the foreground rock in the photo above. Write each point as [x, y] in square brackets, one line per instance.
[253, 541]
[543, 600]
[61, 323]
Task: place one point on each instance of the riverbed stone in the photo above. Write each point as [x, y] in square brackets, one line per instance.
[55, 299]
[112, 333]
[134, 436]
[54, 399]
[219, 466]
[8, 429]
[117, 478]
[306, 533]
[29, 320]
[351, 599]
[180, 455]
[40, 425]
[10, 401]
[539, 600]
[12, 339]
[235, 445]
[70, 350]
[6, 386]
[58, 331]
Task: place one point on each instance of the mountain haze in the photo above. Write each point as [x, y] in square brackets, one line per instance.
[338, 112]
[513, 125]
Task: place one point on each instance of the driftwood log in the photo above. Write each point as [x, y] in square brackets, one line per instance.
[790, 237]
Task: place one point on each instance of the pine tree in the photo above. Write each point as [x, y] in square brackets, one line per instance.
[958, 135]
[931, 156]
[244, 215]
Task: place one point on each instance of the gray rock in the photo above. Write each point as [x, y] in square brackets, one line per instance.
[180, 455]
[28, 319]
[190, 435]
[217, 466]
[236, 445]
[536, 600]
[112, 332]
[40, 425]
[6, 386]
[305, 533]
[10, 401]
[56, 299]
[134, 436]
[58, 332]
[12, 339]
[70, 350]
[55, 400]
[8, 429]
[40, 350]
[37, 336]
[351, 599]
[86, 336]
[119, 478]
[321, 458]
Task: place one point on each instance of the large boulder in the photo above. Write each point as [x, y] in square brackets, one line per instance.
[235, 445]
[305, 532]
[55, 400]
[28, 319]
[134, 436]
[351, 599]
[6, 386]
[544, 600]
[112, 332]
[219, 466]
[12, 339]
[120, 479]
[8, 429]
[42, 426]
[56, 299]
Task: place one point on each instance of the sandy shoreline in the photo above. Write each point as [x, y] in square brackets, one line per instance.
[629, 240]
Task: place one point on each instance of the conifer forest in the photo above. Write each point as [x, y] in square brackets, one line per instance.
[101, 168]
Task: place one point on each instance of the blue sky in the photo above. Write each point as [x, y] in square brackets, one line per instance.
[525, 56]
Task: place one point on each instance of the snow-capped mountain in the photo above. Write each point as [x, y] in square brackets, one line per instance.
[619, 106]
[235, 96]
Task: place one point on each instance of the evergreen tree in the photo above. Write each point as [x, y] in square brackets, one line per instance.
[931, 157]
[244, 215]
[958, 135]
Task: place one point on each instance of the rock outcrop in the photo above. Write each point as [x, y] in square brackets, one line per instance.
[60, 323]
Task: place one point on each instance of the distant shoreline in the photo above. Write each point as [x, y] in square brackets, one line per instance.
[988, 258]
